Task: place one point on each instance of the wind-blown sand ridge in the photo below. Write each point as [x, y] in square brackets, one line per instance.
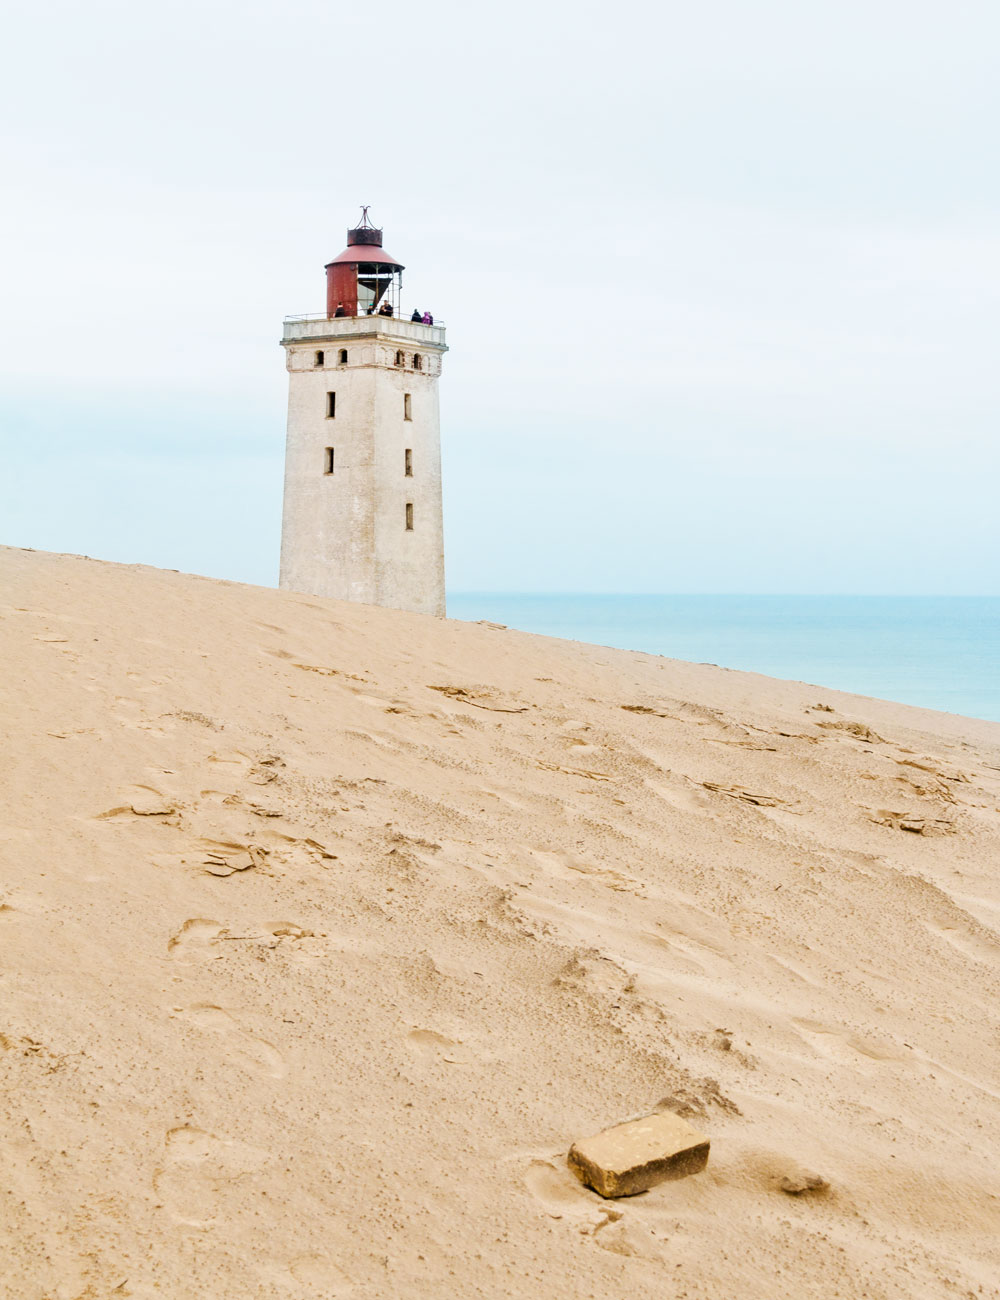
[325, 930]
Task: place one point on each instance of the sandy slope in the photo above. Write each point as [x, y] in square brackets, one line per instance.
[499, 891]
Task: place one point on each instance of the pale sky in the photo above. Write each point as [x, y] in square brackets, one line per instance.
[721, 281]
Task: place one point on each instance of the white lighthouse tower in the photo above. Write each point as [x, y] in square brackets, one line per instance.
[362, 508]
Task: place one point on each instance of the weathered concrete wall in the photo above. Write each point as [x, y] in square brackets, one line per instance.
[344, 533]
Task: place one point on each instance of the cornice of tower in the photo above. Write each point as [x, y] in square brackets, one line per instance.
[318, 329]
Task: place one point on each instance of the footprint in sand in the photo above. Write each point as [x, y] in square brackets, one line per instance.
[201, 939]
[977, 947]
[195, 939]
[253, 1053]
[559, 1193]
[678, 955]
[621, 1236]
[799, 970]
[197, 1167]
[507, 797]
[432, 1046]
[842, 1045]
[567, 865]
[141, 801]
[376, 701]
[322, 1274]
[132, 714]
[681, 797]
[381, 741]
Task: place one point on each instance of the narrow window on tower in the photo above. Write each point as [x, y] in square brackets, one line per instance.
[331, 405]
[318, 360]
[408, 462]
[409, 516]
[328, 462]
[407, 410]
[400, 359]
[343, 356]
[417, 361]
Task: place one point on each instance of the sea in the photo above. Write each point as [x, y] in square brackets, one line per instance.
[938, 652]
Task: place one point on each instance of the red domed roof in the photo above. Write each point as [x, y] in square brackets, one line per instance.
[356, 253]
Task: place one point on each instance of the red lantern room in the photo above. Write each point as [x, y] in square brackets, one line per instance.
[364, 277]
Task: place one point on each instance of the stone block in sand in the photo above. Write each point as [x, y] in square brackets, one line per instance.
[633, 1157]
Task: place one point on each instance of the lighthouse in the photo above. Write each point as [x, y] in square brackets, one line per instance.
[362, 506]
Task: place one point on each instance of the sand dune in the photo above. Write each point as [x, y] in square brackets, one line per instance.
[326, 930]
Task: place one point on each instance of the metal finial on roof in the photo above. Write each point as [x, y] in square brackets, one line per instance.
[365, 223]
